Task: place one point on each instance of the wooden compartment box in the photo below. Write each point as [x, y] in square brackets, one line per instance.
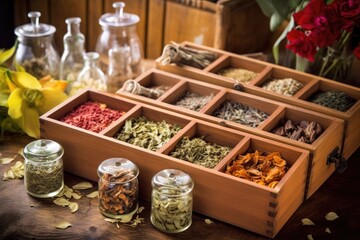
[320, 150]
[311, 85]
[240, 202]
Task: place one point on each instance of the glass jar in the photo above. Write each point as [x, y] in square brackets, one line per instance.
[171, 201]
[118, 188]
[36, 52]
[90, 76]
[43, 168]
[119, 30]
[72, 59]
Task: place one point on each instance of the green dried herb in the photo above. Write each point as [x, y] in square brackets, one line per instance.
[147, 134]
[200, 152]
[334, 99]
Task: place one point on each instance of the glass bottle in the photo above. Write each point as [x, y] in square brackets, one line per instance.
[72, 59]
[43, 168]
[118, 188]
[36, 52]
[171, 201]
[90, 76]
[119, 30]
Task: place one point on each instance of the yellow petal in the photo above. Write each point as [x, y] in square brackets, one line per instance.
[15, 103]
[30, 122]
[51, 98]
[55, 84]
[24, 80]
[6, 54]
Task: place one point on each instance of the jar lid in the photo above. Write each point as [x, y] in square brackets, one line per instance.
[173, 178]
[119, 18]
[34, 29]
[43, 150]
[118, 166]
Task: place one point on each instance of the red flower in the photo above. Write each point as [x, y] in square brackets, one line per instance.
[301, 44]
[357, 52]
[348, 11]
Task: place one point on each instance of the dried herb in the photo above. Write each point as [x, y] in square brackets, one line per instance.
[307, 221]
[239, 113]
[331, 216]
[63, 225]
[82, 186]
[238, 74]
[175, 53]
[92, 116]
[147, 134]
[118, 193]
[304, 131]
[193, 101]
[286, 86]
[334, 99]
[266, 170]
[200, 152]
[134, 87]
[15, 172]
[171, 209]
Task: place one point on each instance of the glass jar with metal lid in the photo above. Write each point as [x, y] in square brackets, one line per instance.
[43, 168]
[119, 32]
[118, 188]
[171, 201]
[36, 52]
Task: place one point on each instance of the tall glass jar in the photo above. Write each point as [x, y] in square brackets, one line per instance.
[72, 59]
[171, 201]
[119, 30]
[90, 76]
[36, 52]
[118, 188]
[43, 174]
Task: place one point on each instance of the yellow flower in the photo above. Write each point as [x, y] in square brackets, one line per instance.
[29, 99]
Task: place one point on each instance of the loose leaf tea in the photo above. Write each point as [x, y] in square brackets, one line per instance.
[239, 113]
[334, 99]
[15, 172]
[147, 134]
[193, 101]
[264, 169]
[92, 116]
[286, 86]
[200, 152]
[304, 131]
[238, 74]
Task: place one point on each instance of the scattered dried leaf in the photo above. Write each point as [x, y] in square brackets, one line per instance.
[82, 186]
[307, 221]
[140, 209]
[310, 237]
[111, 220]
[6, 160]
[76, 195]
[327, 230]
[331, 216]
[16, 171]
[73, 206]
[21, 152]
[68, 191]
[136, 221]
[94, 194]
[208, 221]
[61, 202]
[63, 225]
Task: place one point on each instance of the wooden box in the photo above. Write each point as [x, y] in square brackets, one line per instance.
[264, 70]
[320, 150]
[227, 198]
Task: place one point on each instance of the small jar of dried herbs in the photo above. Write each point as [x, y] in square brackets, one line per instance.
[118, 188]
[171, 201]
[43, 174]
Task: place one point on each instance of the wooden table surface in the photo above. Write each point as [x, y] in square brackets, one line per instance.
[25, 217]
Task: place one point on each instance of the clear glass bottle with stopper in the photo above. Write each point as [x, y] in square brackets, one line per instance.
[119, 31]
[73, 57]
[36, 52]
[90, 76]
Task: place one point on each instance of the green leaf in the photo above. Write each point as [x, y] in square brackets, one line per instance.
[280, 38]
[266, 7]
[275, 21]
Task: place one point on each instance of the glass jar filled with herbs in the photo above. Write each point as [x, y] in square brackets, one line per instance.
[43, 175]
[118, 187]
[171, 201]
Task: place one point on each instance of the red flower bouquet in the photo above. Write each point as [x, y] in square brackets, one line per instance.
[321, 35]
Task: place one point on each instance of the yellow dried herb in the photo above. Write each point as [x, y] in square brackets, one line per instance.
[208, 221]
[16, 171]
[327, 230]
[73, 206]
[331, 216]
[75, 195]
[310, 237]
[93, 194]
[307, 221]
[82, 186]
[6, 160]
[63, 225]
[61, 202]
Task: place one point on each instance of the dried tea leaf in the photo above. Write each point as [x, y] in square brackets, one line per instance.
[8, 175]
[73, 206]
[63, 225]
[307, 221]
[140, 209]
[61, 202]
[68, 192]
[327, 230]
[331, 216]
[208, 221]
[310, 237]
[6, 160]
[136, 221]
[93, 194]
[16, 171]
[21, 152]
[76, 195]
[82, 186]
